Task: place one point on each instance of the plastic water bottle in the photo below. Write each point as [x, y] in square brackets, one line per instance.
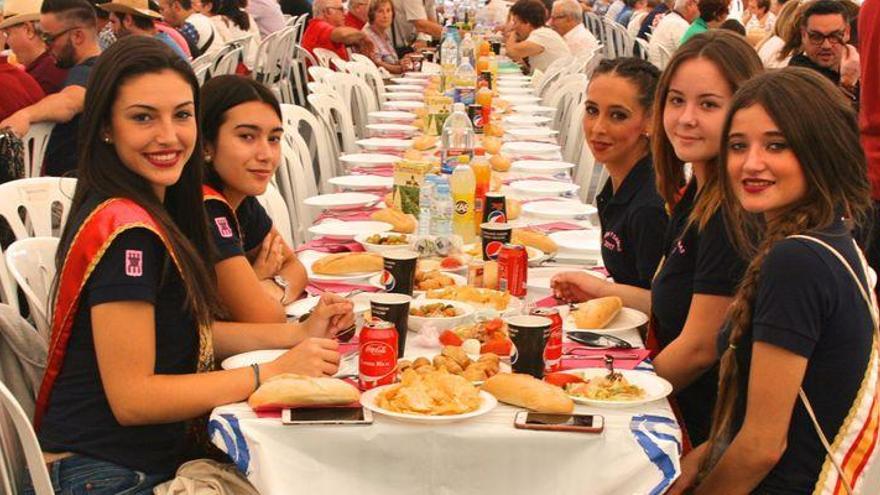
[426, 192]
[465, 83]
[466, 51]
[441, 211]
[449, 51]
[462, 185]
[456, 139]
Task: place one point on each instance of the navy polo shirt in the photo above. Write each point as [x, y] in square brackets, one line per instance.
[698, 261]
[633, 222]
[250, 217]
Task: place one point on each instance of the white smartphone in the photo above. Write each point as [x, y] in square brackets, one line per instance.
[584, 423]
[327, 416]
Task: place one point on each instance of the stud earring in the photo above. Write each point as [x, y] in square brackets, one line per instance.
[207, 157]
[107, 139]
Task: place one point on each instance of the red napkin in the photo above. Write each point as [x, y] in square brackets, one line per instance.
[549, 228]
[377, 171]
[326, 245]
[548, 302]
[346, 215]
[316, 288]
[592, 358]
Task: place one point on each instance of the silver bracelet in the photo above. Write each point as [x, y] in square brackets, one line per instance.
[256, 368]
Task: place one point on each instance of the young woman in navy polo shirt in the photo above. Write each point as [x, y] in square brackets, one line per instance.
[801, 360]
[617, 125]
[241, 125]
[133, 337]
[694, 286]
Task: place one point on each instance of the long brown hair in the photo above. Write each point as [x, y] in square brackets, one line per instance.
[824, 136]
[737, 62]
[100, 171]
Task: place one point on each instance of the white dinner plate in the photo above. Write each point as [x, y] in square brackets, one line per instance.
[348, 230]
[379, 130]
[512, 83]
[404, 88]
[625, 321]
[522, 99]
[506, 91]
[581, 241]
[411, 96]
[303, 306]
[548, 167]
[376, 281]
[514, 77]
[341, 201]
[539, 278]
[410, 81]
[246, 359]
[369, 159]
[530, 148]
[655, 387]
[384, 143]
[533, 187]
[571, 210]
[533, 109]
[362, 182]
[368, 400]
[403, 105]
[524, 133]
[418, 75]
[393, 116]
[527, 120]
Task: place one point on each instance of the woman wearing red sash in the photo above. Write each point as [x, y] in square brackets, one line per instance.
[133, 337]
[798, 406]
[241, 125]
[696, 281]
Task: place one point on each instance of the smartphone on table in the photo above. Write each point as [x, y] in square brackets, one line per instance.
[584, 423]
[327, 416]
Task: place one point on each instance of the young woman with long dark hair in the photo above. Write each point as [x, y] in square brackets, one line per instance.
[133, 333]
[242, 130]
[693, 288]
[801, 360]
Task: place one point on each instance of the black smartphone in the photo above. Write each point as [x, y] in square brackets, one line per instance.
[585, 423]
[327, 416]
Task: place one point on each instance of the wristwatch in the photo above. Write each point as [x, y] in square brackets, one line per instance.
[282, 282]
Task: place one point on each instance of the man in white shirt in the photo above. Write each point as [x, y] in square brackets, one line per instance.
[668, 33]
[412, 17]
[566, 18]
[530, 39]
[615, 8]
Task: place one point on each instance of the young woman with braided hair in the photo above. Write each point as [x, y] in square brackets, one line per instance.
[797, 407]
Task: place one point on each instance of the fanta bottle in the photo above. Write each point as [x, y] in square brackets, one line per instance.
[462, 185]
[482, 176]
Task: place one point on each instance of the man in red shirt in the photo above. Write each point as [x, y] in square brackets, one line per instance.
[327, 30]
[356, 17]
[19, 89]
[869, 118]
[19, 24]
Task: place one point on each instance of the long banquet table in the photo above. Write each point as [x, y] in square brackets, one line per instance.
[638, 452]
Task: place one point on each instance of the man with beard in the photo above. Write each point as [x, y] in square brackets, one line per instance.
[824, 36]
[69, 31]
[134, 17]
[19, 24]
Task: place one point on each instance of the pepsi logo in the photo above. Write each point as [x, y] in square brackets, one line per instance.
[493, 249]
[496, 216]
[388, 281]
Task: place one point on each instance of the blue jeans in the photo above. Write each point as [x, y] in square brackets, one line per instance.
[81, 475]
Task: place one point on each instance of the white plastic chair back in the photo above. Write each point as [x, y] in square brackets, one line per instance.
[227, 60]
[665, 56]
[267, 64]
[571, 134]
[324, 56]
[300, 121]
[300, 27]
[31, 262]
[567, 92]
[320, 73]
[586, 63]
[640, 49]
[619, 42]
[27, 205]
[294, 77]
[358, 96]
[588, 176]
[554, 71]
[20, 435]
[35, 143]
[369, 72]
[295, 185]
[332, 110]
[596, 25]
[277, 209]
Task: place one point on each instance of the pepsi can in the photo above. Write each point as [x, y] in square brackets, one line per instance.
[399, 273]
[495, 208]
[494, 236]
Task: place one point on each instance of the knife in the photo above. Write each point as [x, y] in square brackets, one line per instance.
[593, 339]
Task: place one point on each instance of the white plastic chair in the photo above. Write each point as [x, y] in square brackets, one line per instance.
[565, 94]
[295, 185]
[358, 97]
[34, 198]
[571, 134]
[227, 60]
[35, 143]
[277, 209]
[320, 73]
[640, 49]
[336, 117]
[267, 64]
[554, 71]
[619, 42]
[31, 262]
[300, 121]
[596, 25]
[324, 56]
[586, 63]
[368, 71]
[23, 432]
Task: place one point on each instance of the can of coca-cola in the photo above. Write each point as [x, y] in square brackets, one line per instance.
[377, 354]
[553, 349]
[513, 266]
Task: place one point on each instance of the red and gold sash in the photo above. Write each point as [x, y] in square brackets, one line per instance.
[211, 194]
[110, 219]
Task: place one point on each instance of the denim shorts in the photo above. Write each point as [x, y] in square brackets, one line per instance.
[81, 475]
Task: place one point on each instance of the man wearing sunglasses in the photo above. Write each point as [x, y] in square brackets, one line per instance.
[824, 38]
[70, 33]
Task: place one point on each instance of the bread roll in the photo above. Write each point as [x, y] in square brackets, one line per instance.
[535, 239]
[529, 392]
[514, 208]
[597, 313]
[291, 390]
[403, 223]
[490, 275]
[345, 263]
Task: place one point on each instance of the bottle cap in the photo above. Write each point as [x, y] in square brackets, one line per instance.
[479, 151]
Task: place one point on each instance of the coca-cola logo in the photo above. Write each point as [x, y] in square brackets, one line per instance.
[461, 207]
[376, 349]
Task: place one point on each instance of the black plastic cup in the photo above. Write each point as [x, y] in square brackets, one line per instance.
[494, 236]
[393, 308]
[529, 335]
[399, 274]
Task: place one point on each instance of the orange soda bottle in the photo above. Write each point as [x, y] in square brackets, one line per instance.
[483, 175]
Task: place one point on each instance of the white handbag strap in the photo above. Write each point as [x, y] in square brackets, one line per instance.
[871, 301]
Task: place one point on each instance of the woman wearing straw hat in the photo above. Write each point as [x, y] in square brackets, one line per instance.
[135, 17]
